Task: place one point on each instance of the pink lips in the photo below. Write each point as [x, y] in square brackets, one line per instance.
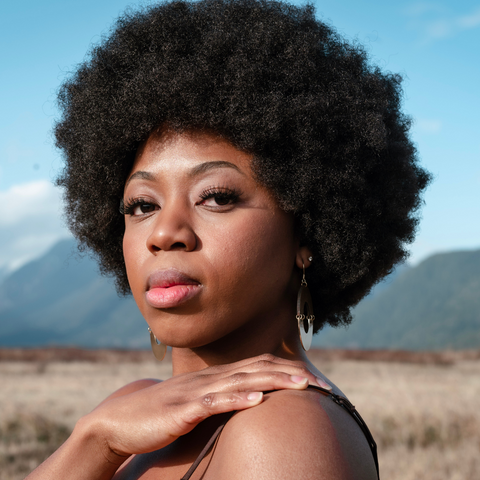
[170, 288]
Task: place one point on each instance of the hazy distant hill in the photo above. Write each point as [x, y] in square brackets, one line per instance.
[434, 305]
[61, 299]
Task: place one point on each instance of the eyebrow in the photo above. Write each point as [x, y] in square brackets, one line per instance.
[195, 171]
[207, 166]
[142, 176]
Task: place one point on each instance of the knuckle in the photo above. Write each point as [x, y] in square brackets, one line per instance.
[238, 378]
[273, 377]
[304, 371]
[232, 398]
[208, 400]
[193, 418]
[263, 364]
[267, 358]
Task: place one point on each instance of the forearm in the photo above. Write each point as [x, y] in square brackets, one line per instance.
[84, 456]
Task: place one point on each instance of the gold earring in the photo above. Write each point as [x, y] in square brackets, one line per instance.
[158, 349]
[305, 312]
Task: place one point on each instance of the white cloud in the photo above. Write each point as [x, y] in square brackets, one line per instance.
[27, 201]
[469, 21]
[439, 29]
[436, 22]
[30, 222]
[421, 8]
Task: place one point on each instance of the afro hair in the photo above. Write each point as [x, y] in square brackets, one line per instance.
[323, 127]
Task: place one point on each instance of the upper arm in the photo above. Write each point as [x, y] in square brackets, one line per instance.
[292, 435]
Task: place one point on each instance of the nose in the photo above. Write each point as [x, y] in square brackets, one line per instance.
[172, 230]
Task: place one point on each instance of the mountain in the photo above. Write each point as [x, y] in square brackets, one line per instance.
[435, 305]
[3, 273]
[60, 299]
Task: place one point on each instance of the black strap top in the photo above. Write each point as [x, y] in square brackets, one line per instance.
[338, 399]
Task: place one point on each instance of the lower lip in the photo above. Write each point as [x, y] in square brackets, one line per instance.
[171, 296]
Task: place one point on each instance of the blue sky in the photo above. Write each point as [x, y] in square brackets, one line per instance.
[434, 45]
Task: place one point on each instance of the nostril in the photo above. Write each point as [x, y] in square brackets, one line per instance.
[178, 246]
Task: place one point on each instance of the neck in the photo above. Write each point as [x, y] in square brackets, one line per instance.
[279, 338]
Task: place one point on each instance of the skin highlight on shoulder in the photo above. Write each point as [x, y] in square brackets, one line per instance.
[292, 434]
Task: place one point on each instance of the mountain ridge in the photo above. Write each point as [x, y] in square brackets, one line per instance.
[76, 305]
[61, 299]
[434, 305]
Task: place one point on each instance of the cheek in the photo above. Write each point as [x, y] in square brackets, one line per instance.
[256, 251]
[275, 248]
[132, 254]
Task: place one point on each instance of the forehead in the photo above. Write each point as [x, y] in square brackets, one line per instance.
[169, 151]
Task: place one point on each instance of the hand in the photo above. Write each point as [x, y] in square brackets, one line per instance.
[151, 418]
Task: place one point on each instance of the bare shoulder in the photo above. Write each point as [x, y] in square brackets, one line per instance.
[132, 387]
[291, 435]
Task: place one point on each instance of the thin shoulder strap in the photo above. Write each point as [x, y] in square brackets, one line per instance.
[207, 447]
[347, 405]
[338, 399]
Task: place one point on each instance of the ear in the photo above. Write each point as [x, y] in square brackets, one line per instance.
[304, 254]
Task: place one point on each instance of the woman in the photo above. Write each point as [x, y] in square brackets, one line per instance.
[254, 156]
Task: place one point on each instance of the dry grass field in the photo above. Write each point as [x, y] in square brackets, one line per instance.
[423, 408]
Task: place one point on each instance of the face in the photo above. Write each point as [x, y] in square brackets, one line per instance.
[207, 249]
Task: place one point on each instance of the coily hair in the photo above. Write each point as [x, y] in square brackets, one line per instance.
[323, 127]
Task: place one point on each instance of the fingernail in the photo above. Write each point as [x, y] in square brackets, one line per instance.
[323, 384]
[254, 396]
[299, 380]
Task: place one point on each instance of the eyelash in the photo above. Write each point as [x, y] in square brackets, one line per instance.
[129, 206]
[230, 195]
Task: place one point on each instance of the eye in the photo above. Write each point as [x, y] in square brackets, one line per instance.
[138, 207]
[143, 208]
[219, 197]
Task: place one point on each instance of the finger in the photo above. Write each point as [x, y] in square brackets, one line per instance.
[262, 363]
[269, 363]
[213, 404]
[259, 381]
[266, 359]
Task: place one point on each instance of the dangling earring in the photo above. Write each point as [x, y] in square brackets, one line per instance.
[305, 311]
[158, 349]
